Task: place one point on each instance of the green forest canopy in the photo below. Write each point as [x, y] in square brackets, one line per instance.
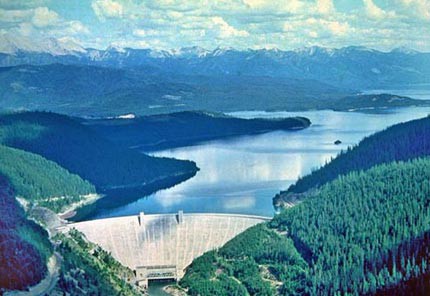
[402, 141]
[81, 151]
[359, 234]
[41, 181]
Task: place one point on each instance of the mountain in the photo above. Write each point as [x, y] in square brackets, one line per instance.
[25, 247]
[83, 152]
[402, 141]
[40, 181]
[14, 45]
[363, 231]
[350, 67]
[185, 128]
[358, 235]
[103, 91]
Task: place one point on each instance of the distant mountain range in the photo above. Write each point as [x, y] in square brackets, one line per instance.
[84, 90]
[351, 67]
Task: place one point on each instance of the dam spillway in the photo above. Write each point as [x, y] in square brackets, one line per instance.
[162, 246]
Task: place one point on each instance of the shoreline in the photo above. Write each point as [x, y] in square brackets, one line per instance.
[70, 210]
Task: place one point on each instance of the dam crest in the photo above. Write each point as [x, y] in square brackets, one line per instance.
[161, 246]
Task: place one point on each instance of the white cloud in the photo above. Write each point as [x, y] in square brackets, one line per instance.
[317, 27]
[376, 12]
[77, 28]
[8, 4]
[337, 28]
[14, 16]
[43, 17]
[325, 6]
[26, 29]
[139, 32]
[107, 9]
[421, 8]
[237, 23]
[226, 30]
[290, 6]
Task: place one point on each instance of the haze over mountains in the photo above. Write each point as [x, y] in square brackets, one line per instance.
[353, 67]
[61, 76]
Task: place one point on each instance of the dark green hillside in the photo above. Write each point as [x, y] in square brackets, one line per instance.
[359, 234]
[40, 181]
[88, 269]
[24, 245]
[82, 151]
[186, 128]
[106, 91]
[365, 230]
[400, 142]
[253, 263]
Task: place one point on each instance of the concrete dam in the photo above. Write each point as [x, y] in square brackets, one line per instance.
[162, 246]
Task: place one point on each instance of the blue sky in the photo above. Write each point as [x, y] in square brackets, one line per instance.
[168, 24]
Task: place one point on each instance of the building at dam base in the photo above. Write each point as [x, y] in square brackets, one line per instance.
[162, 246]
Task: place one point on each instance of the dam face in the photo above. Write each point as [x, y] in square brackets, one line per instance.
[162, 246]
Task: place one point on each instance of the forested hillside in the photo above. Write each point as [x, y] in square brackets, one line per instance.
[361, 233]
[255, 263]
[24, 245]
[83, 152]
[40, 181]
[366, 230]
[400, 142]
[186, 128]
[88, 269]
[84, 90]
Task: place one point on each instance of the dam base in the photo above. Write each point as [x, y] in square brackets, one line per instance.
[161, 246]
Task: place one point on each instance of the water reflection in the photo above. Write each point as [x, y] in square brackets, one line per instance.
[241, 175]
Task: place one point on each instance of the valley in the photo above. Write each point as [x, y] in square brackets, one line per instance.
[217, 148]
[90, 93]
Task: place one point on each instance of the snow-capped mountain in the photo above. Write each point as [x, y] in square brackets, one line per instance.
[57, 47]
[352, 67]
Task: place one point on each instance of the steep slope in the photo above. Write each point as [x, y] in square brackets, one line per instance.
[366, 230]
[350, 67]
[83, 152]
[96, 91]
[40, 181]
[400, 142]
[361, 233]
[24, 247]
[87, 269]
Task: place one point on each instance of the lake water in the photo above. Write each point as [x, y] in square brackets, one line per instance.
[241, 175]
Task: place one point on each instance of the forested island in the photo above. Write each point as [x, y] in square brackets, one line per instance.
[363, 229]
[186, 128]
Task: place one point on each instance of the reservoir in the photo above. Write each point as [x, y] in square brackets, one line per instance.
[242, 174]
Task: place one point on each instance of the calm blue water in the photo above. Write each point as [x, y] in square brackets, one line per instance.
[241, 175]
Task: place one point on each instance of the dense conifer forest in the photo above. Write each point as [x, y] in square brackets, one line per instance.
[81, 151]
[186, 128]
[254, 263]
[399, 142]
[363, 231]
[24, 245]
[87, 269]
[40, 181]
